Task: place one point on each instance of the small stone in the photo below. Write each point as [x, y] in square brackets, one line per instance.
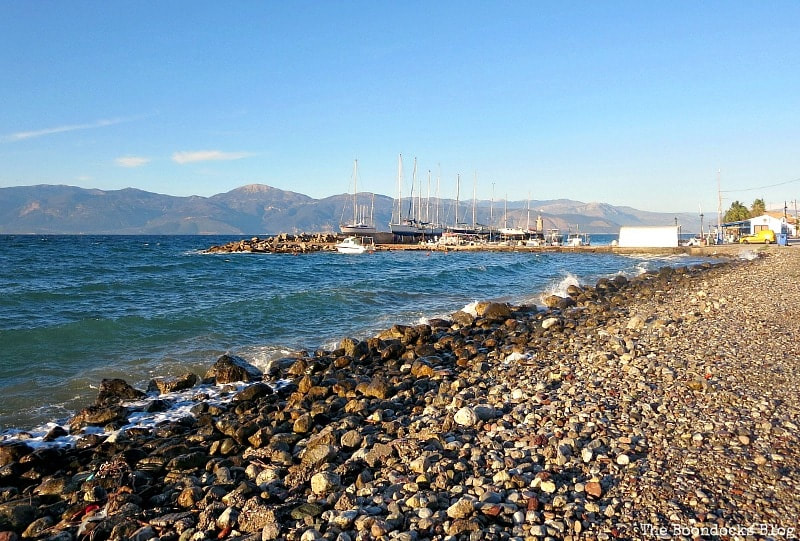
[744, 439]
[623, 459]
[547, 486]
[594, 489]
[549, 322]
[465, 417]
[325, 482]
[461, 509]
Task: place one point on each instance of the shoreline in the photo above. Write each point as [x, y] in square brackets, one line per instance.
[513, 424]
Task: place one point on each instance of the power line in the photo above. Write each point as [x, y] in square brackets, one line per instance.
[762, 187]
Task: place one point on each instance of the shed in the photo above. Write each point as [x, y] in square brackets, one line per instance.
[648, 237]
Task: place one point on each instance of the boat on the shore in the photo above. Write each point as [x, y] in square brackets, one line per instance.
[362, 223]
[356, 245]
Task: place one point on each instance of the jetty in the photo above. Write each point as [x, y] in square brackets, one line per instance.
[305, 243]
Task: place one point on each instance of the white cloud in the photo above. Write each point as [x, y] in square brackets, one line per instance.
[207, 155]
[20, 136]
[132, 161]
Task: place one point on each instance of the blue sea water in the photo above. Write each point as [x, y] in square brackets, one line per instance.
[76, 309]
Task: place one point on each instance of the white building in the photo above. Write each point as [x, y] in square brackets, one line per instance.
[773, 221]
[648, 237]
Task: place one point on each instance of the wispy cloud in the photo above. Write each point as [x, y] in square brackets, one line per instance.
[132, 161]
[208, 155]
[21, 136]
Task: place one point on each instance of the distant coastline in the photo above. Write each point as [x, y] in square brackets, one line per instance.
[263, 210]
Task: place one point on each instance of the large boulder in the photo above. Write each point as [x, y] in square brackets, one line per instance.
[173, 384]
[494, 310]
[230, 369]
[12, 452]
[114, 391]
[98, 416]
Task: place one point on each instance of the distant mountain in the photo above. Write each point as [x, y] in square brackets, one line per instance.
[257, 209]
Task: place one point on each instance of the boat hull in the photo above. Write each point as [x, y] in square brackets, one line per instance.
[357, 229]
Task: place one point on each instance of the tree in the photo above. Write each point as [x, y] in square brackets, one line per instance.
[737, 212]
[759, 208]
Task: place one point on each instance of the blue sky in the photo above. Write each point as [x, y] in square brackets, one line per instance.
[629, 103]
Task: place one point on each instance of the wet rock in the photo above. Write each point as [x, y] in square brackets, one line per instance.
[253, 392]
[462, 318]
[16, 516]
[115, 390]
[494, 311]
[171, 385]
[12, 452]
[231, 369]
[98, 416]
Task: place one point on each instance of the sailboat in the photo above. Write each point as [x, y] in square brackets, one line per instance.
[510, 231]
[361, 225]
[408, 226]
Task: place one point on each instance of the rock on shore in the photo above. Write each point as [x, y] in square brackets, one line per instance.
[665, 400]
[281, 244]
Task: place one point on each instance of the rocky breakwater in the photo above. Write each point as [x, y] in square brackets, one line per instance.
[281, 244]
[621, 410]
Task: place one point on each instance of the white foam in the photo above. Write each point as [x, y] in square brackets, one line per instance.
[471, 309]
[180, 405]
[560, 288]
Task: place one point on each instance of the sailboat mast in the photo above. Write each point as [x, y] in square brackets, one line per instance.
[528, 222]
[355, 190]
[474, 197]
[372, 211]
[413, 185]
[439, 199]
[428, 199]
[458, 191]
[399, 188]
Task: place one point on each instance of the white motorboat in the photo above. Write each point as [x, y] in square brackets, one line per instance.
[356, 245]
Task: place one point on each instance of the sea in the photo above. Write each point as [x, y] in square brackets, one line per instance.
[77, 309]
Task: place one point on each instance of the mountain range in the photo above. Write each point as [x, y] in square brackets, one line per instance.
[257, 209]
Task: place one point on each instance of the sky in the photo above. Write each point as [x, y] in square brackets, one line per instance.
[653, 105]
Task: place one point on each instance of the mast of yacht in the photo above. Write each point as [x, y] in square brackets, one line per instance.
[428, 199]
[414, 185]
[458, 193]
[419, 192]
[474, 198]
[355, 191]
[438, 195]
[399, 188]
[528, 222]
[491, 208]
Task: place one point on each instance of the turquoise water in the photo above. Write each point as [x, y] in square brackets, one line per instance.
[76, 309]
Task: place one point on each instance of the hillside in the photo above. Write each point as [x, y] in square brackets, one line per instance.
[258, 209]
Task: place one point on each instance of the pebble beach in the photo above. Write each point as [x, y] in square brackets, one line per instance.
[663, 406]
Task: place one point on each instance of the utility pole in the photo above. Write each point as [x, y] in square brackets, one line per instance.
[719, 207]
[701, 224]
